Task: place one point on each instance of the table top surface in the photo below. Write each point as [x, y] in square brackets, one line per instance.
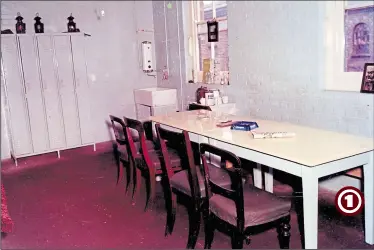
[310, 147]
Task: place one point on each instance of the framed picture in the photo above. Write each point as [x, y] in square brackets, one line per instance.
[367, 85]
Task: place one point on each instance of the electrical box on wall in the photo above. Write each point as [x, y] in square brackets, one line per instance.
[147, 57]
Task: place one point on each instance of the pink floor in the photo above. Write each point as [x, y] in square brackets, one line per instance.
[74, 202]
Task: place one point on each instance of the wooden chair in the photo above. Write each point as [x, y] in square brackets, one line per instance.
[146, 160]
[240, 209]
[120, 151]
[188, 183]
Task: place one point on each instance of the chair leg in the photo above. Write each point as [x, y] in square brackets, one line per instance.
[194, 230]
[237, 240]
[137, 182]
[152, 189]
[284, 233]
[171, 213]
[209, 230]
[129, 175]
[118, 163]
[120, 171]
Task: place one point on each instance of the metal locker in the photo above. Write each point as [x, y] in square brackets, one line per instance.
[35, 99]
[82, 88]
[51, 92]
[65, 76]
[16, 96]
[45, 86]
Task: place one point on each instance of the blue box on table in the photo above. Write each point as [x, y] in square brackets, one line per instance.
[244, 125]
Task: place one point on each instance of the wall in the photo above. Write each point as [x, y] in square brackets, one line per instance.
[112, 50]
[280, 73]
[277, 68]
[169, 45]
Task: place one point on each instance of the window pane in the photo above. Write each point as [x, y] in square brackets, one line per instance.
[221, 9]
[222, 51]
[206, 10]
[359, 34]
[204, 46]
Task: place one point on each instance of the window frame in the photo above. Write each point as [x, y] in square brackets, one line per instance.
[335, 76]
[192, 36]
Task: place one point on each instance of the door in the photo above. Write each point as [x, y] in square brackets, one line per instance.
[16, 96]
[34, 95]
[51, 92]
[82, 88]
[65, 76]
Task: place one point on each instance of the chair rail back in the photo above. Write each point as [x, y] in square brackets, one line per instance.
[118, 123]
[231, 163]
[181, 142]
[136, 126]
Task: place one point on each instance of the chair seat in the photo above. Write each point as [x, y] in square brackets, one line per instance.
[180, 182]
[260, 207]
[282, 190]
[123, 150]
[157, 157]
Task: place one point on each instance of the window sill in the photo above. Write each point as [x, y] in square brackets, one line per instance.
[215, 84]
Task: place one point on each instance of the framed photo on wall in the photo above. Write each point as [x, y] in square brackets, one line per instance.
[367, 85]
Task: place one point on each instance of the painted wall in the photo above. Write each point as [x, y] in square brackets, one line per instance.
[113, 57]
[277, 67]
[169, 45]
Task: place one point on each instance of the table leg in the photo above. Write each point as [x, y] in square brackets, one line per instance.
[310, 208]
[257, 176]
[268, 176]
[369, 200]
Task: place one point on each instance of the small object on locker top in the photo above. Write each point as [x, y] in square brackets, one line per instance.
[72, 26]
[266, 135]
[244, 125]
[38, 26]
[20, 26]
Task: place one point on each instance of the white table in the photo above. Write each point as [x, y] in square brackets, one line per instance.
[311, 154]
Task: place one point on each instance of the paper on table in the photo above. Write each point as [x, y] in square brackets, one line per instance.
[264, 135]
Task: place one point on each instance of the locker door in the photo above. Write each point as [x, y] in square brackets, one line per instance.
[82, 88]
[51, 92]
[15, 91]
[67, 90]
[35, 100]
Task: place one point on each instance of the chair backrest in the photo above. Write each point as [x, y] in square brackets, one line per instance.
[230, 163]
[135, 127]
[118, 129]
[181, 142]
[195, 106]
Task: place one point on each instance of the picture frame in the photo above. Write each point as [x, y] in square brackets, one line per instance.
[367, 85]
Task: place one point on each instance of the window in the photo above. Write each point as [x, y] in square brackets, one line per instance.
[199, 48]
[349, 42]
